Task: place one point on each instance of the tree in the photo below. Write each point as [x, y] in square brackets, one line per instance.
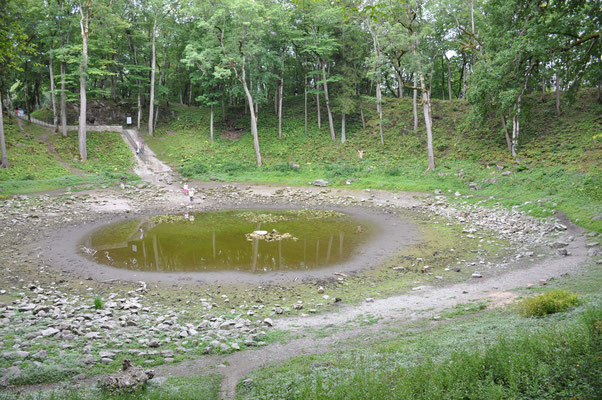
[13, 46]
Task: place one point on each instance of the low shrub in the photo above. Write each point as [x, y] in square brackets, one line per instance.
[192, 168]
[558, 300]
[98, 303]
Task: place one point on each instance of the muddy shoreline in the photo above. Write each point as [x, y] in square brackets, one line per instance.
[394, 233]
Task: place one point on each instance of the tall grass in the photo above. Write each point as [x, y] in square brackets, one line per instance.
[557, 363]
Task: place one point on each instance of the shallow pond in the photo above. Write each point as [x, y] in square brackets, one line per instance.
[254, 241]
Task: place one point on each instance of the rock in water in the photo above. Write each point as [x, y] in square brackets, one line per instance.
[127, 380]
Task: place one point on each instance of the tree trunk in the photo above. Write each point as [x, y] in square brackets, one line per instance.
[449, 82]
[280, 95]
[81, 135]
[330, 121]
[243, 80]
[152, 88]
[558, 110]
[139, 104]
[55, 116]
[379, 108]
[305, 104]
[414, 101]
[3, 156]
[428, 122]
[276, 91]
[190, 93]
[223, 105]
[508, 141]
[442, 78]
[9, 105]
[318, 104]
[363, 118]
[63, 99]
[399, 86]
[211, 124]
[343, 136]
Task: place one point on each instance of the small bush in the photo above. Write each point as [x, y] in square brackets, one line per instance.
[344, 170]
[98, 303]
[233, 167]
[192, 169]
[548, 303]
[284, 167]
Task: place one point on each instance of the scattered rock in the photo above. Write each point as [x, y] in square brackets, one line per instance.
[268, 322]
[128, 379]
[320, 182]
[477, 275]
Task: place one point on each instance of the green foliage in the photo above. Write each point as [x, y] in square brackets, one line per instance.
[192, 168]
[558, 300]
[98, 304]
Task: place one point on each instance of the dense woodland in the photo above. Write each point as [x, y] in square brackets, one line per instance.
[343, 56]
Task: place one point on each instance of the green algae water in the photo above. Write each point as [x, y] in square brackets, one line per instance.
[254, 241]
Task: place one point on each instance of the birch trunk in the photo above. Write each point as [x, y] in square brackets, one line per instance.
[211, 124]
[63, 100]
[343, 136]
[280, 94]
[505, 126]
[330, 121]
[414, 101]
[558, 110]
[243, 80]
[428, 122]
[152, 88]
[318, 105]
[85, 30]
[3, 156]
[449, 82]
[305, 104]
[55, 116]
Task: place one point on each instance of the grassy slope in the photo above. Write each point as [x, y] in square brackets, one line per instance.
[559, 157]
[34, 168]
[489, 355]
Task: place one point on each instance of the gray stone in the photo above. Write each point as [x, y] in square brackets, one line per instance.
[477, 275]
[49, 332]
[592, 244]
[153, 343]
[597, 218]
[268, 322]
[40, 355]
[106, 360]
[320, 182]
[559, 244]
[562, 252]
[224, 347]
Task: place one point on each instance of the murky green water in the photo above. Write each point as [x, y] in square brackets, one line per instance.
[225, 240]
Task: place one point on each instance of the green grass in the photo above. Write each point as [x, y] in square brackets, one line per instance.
[559, 157]
[204, 387]
[551, 302]
[490, 356]
[34, 168]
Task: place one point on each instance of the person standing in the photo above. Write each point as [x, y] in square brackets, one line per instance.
[186, 189]
[191, 194]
